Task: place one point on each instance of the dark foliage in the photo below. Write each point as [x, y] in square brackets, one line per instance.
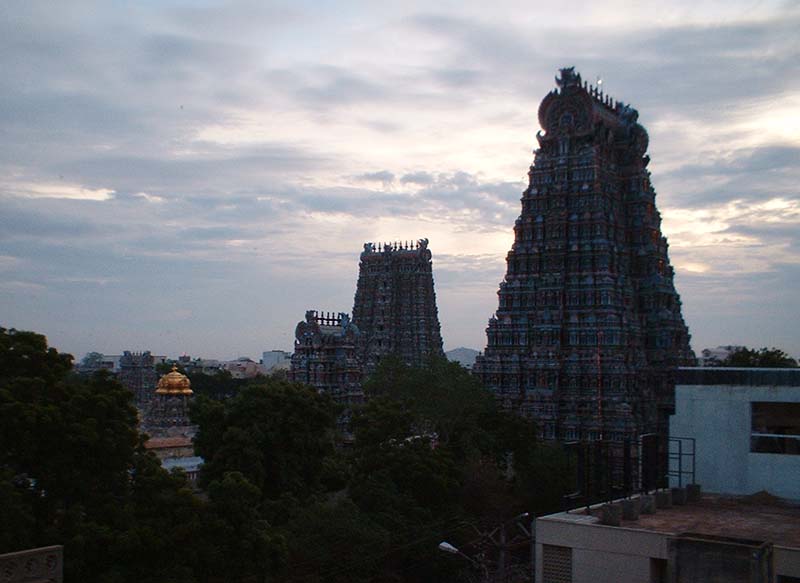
[762, 358]
[433, 460]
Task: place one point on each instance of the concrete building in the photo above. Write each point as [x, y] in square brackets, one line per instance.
[275, 360]
[243, 368]
[746, 427]
[42, 565]
[715, 539]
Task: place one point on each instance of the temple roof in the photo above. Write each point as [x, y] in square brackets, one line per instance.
[174, 383]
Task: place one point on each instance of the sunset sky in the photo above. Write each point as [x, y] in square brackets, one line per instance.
[192, 176]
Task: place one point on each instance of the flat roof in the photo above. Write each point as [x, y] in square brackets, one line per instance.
[751, 377]
[760, 517]
[164, 442]
[188, 464]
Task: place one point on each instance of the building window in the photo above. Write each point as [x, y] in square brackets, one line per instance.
[775, 428]
[658, 571]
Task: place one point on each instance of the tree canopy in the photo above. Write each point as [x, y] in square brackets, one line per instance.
[761, 358]
[433, 459]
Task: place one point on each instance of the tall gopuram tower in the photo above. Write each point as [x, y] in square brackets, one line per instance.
[395, 305]
[588, 331]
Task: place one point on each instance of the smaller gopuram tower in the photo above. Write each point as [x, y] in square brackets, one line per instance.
[325, 356]
[395, 304]
[138, 373]
[167, 413]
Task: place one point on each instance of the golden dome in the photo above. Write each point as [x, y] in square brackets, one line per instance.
[174, 383]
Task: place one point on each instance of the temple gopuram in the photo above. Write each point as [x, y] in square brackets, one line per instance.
[394, 313]
[395, 304]
[325, 356]
[588, 331]
[167, 412]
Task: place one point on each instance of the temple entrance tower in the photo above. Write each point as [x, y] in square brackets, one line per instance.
[395, 304]
[588, 330]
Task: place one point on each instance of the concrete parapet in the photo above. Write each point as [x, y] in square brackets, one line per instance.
[648, 504]
[678, 496]
[693, 492]
[631, 508]
[611, 514]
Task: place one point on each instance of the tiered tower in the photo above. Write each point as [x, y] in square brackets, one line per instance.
[325, 356]
[137, 372]
[395, 305]
[167, 413]
[588, 331]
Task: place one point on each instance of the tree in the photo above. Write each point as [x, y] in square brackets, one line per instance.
[762, 358]
[74, 471]
[335, 542]
[276, 434]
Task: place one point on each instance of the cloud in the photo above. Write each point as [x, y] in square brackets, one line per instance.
[381, 176]
[53, 190]
[177, 155]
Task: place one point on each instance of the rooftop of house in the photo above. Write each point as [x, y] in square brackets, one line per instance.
[759, 517]
[165, 442]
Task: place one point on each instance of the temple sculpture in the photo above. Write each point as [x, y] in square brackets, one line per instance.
[588, 331]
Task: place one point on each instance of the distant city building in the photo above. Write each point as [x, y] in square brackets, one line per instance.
[207, 366]
[190, 465]
[243, 368]
[395, 304]
[276, 360]
[171, 448]
[588, 331]
[137, 372]
[325, 356]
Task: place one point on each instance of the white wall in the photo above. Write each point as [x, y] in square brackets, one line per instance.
[718, 417]
[600, 554]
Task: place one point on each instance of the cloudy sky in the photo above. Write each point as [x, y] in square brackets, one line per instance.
[190, 176]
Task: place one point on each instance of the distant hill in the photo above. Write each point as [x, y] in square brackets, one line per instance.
[464, 356]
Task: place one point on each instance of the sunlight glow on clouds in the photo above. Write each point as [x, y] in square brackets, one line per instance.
[54, 190]
[230, 159]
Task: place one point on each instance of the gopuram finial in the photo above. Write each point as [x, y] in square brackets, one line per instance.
[569, 78]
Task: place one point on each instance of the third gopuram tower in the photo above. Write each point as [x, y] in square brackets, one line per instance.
[395, 304]
[588, 331]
